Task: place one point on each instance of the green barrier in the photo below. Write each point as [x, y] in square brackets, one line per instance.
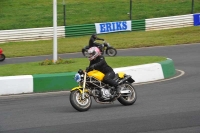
[138, 25]
[53, 82]
[168, 68]
[65, 81]
[79, 30]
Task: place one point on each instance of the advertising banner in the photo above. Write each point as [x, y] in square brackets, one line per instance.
[196, 19]
[108, 27]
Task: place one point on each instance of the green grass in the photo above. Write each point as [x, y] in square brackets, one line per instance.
[80, 63]
[19, 14]
[118, 40]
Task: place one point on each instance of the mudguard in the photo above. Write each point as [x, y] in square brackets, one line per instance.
[79, 88]
[126, 78]
[1, 51]
[131, 80]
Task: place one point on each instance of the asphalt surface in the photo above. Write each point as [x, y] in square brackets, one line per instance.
[171, 106]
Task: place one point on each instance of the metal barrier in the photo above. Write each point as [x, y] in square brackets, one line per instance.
[79, 30]
[30, 34]
[169, 22]
[88, 29]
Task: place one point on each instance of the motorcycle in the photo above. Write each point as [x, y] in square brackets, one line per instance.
[2, 56]
[91, 85]
[105, 47]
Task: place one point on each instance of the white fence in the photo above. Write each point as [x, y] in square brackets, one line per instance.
[169, 22]
[47, 32]
[30, 34]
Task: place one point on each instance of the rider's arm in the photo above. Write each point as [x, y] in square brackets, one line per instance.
[99, 39]
[99, 64]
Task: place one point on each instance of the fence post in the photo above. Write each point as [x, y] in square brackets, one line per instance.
[64, 13]
[192, 7]
[130, 9]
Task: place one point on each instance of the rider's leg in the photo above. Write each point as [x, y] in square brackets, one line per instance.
[108, 79]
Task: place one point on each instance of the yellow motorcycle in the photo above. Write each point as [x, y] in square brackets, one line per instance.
[91, 85]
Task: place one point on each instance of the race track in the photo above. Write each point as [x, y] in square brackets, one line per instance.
[171, 106]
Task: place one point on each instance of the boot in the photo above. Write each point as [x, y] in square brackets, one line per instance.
[118, 89]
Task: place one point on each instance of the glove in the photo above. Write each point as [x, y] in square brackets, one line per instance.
[87, 69]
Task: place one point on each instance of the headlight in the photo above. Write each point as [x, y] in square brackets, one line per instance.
[77, 77]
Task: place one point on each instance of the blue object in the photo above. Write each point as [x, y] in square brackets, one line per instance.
[77, 77]
[196, 18]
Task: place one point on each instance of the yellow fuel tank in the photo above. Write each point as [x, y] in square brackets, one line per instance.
[97, 74]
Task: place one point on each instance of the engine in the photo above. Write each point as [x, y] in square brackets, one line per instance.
[99, 89]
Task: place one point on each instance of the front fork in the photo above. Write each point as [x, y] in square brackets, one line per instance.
[84, 80]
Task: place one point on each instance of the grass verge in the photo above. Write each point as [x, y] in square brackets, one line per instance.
[79, 63]
[119, 40]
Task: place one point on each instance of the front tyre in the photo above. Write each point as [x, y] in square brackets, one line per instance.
[78, 103]
[2, 57]
[84, 52]
[130, 98]
[111, 51]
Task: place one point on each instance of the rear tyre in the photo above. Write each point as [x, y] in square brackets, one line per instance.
[128, 99]
[78, 103]
[2, 57]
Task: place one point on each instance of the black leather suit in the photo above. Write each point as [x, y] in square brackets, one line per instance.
[92, 40]
[100, 64]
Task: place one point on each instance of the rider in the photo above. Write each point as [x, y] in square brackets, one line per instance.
[92, 40]
[97, 62]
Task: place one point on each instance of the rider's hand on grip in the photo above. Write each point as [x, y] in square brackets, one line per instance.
[87, 69]
[80, 71]
[90, 68]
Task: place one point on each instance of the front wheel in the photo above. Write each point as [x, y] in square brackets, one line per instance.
[111, 51]
[2, 57]
[85, 52]
[130, 98]
[78, 103]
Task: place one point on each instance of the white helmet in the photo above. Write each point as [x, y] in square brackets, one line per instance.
[93, 53]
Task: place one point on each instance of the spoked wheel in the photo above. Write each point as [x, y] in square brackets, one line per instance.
[2, 57]
[130, 98]
[85, 53]
[111, 51]
[78, 103]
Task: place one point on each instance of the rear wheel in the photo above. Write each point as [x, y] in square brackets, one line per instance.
[130, 98]
[78, 103]
[2, 57]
